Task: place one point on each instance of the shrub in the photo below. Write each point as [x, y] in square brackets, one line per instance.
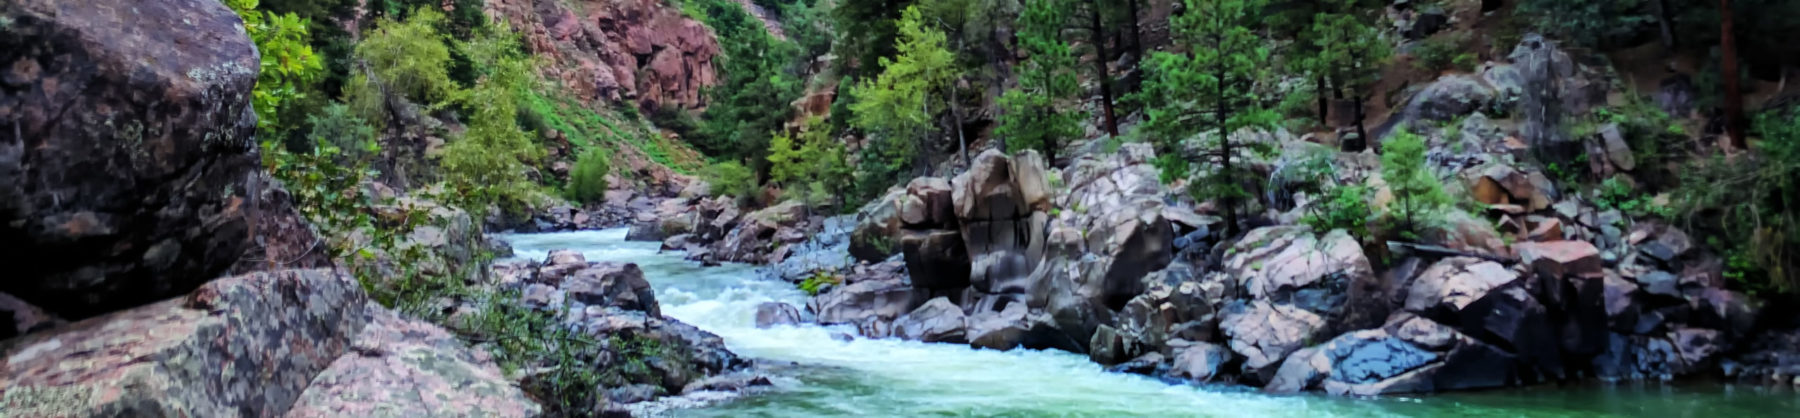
[731, 178]
[818, 281]
[1418, 195]
[334, 125]
[1441, 52]
[487, 165]
[1751, 204]
[587, 181]
[1344, 207]
[409, 56]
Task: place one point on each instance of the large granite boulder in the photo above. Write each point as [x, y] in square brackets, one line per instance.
[187, 356]
[406, 367]
[877, 300]
[937, 321]
[1325, 274]
[127, 150]
[1002, 203]
[877, 232]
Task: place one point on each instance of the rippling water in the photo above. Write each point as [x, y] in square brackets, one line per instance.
[893, 378]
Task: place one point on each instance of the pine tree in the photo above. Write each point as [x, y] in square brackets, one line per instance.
[1347, 52]
[1417, 193]
[1032, 119]
[897, 108]
[1211, 89]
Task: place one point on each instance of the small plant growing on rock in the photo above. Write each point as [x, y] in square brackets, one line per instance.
[1344, 207]
[1418, 194]
[818, 281]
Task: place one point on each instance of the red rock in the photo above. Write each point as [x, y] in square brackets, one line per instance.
[1561, 258]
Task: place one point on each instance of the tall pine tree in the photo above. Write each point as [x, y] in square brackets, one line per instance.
[1032, 119]
[1212, 89]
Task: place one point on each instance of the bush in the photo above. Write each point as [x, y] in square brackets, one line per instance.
[587, 181]
[487, 165]
[812, 163]
[1344, 207]
[1418, 195]
[410, 57]
[351, 135]
[1442, 52]
[1751, 205]
[731, 178]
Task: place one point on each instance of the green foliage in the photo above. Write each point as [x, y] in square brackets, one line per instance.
[1443, 52]
[1344, 207]
[1752, 201]
[1590, 23]
[288, 65]
[895, 108]
[409, 57]
[1211, 88]
[350, 135]
[809, 26]
[818, 281]
[587, 181]
[522, 338]
[867, 32]
[812, 163]
[1034, 115]
[488, 164]
[1418, 194]
[730, 178]
[752, 99]
[1346, 49]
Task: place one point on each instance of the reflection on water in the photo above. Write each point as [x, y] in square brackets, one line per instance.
[863, 377]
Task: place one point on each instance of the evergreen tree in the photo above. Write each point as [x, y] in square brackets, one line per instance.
[1418, 195]
[896, 109]
[753, 96]
[1347, 52]
[1212, 88]
[1031, 118]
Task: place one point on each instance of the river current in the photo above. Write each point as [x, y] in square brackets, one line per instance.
[817, 375]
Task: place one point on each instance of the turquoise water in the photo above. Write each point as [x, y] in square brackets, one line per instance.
[818, 375]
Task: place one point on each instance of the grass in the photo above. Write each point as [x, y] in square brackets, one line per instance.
[585, 128]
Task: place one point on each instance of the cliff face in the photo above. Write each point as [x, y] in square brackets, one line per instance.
[642, 51]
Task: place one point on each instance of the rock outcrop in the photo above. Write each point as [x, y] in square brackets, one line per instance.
[400, 367]
[645, 52]
[187, 356]
[127, 153]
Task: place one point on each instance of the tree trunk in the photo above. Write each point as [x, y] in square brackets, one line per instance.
[1662, 20]
[1734, 95]
[956, 118]
[1324, 101]
[1097, 33]
[1137, 32]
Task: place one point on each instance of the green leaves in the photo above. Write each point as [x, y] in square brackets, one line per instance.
[1418, 195]
[895, 108]
[812, 164]
[1031, 119]
[287, 65]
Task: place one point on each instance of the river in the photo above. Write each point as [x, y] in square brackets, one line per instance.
[819, 375]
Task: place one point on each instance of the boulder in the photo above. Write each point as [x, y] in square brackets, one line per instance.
[181, 357]
[1264, 334]
[1450, 285]
[877, 232]
[1200, 362]
[866, 300]
[1002, 203]
[1016, 327]
[128, 151]
[1561, 258]
[1325, 274]
[937, 321]
[928, 204]
[936, 259]
[612, 284]
[403, 366]
[770, 314]
[20, 318]
[1452, 96]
